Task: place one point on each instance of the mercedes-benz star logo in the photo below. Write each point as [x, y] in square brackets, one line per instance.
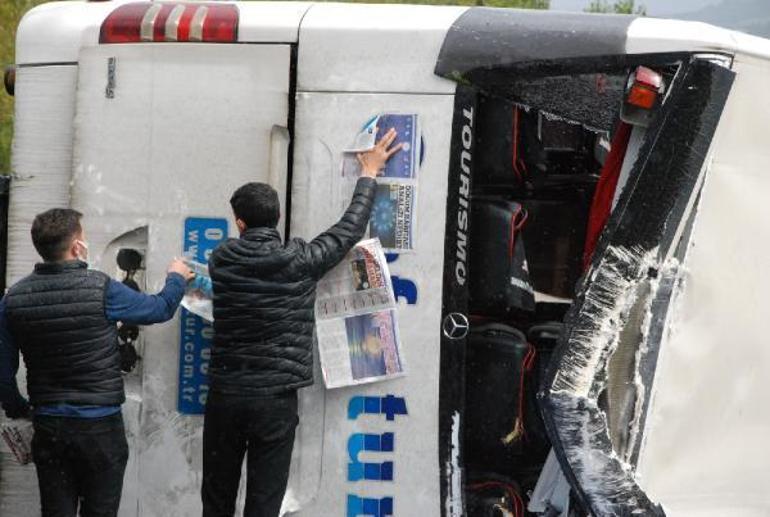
[456, 326]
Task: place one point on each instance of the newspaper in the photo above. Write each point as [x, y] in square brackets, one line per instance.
[394, 210]
[199, 295]
[17, 435]
[356, 320]
[404, 164]
[392, 219]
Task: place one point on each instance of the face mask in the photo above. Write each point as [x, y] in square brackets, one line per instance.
[84, 255]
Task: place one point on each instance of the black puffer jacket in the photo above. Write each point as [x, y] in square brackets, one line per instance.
[264, 293]
[57, 317]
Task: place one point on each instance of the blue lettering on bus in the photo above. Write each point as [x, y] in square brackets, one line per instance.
[369, 507]
[389, 405]
[358, 470]
[402, 287]
[201, 236]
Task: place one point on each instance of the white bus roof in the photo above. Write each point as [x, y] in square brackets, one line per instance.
[653, 35]
[55, 32]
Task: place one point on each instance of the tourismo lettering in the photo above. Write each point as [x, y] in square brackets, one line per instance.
[461, 268]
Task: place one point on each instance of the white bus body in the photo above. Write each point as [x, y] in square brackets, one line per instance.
[149, 138]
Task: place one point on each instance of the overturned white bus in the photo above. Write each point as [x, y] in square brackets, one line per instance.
[581, 270]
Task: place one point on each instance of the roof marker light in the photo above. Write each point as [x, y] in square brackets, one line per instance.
[643, 91]
[139, 22]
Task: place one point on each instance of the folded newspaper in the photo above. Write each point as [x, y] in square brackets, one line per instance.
[356, 320]
[17, 435]
[394, 210]
[199, 294]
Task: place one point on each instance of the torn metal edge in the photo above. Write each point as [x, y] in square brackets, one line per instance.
[638, 239]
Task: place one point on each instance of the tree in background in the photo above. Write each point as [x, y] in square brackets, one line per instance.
[11, 12]
[619, 7]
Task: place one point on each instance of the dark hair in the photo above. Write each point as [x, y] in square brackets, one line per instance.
[257, 205]
[53, 230]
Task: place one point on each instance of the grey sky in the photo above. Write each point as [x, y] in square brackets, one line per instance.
[654, 7]
[752, 16]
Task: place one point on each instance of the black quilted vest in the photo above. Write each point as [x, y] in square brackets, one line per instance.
[56, 316]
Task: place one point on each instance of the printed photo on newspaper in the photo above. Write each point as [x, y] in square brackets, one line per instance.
[372, 342]
[356, 320]
[393, 213]
[359, 349]
[359, 284]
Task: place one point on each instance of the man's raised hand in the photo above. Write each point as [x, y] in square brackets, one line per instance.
[373, 161]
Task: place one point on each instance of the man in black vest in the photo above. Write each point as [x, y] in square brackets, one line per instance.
[63, 318]
[264, 294]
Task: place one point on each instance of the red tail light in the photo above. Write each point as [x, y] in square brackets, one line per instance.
[184, 22]
[643, 94]
[643, 88]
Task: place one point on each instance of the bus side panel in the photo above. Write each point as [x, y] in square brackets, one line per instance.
[42, 155]
[327, 123]
[165, 134]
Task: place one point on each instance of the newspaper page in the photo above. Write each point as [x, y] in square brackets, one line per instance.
[17, 435]
[356, 320]
[199, 295]
[404, 164]
[392, 219]
[394, 210]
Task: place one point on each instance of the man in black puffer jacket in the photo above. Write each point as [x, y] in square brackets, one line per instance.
[264, 295]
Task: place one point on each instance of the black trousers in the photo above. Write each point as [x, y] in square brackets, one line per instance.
[80, 462]
[235, 426]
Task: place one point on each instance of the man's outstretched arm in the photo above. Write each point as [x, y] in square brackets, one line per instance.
[328, 249]
[129, 306]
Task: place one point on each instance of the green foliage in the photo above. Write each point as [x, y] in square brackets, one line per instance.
[11, 12]
[619, 7]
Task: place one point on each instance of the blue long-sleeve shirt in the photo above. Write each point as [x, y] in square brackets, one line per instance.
[122, 304]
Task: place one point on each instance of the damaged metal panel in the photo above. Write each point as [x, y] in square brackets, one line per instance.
[705, 451]
[641, 236]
